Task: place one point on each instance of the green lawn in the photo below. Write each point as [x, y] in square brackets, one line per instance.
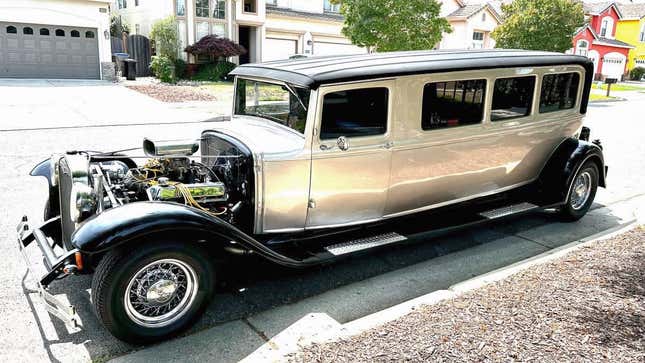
[620, 87]
[599, 97]
[217, 87]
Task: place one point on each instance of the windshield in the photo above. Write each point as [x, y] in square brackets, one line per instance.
[279, 103]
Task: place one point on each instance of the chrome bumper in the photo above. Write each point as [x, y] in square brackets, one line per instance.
[56, 266]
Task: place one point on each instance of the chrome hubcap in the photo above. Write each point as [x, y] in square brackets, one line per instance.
[160, 293]
[581, 190]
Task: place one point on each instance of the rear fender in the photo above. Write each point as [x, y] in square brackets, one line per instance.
[131, 223]
[559, 171]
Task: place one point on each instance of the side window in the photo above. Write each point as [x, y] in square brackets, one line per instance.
[354, 113]
[453, 103]
[559, 91]
[512, 98]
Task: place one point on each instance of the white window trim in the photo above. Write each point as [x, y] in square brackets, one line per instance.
[610, 27]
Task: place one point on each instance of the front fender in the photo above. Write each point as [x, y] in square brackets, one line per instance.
[126, 225]
[558, 173]
[43, 169]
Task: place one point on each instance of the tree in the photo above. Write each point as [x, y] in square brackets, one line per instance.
[539, 24]
[165, 37]
[390, 25]
[216, 47]
[118, 27]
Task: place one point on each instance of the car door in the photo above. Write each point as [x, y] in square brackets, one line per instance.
[350, 157]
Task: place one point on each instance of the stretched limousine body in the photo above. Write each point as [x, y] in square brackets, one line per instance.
[322, 158]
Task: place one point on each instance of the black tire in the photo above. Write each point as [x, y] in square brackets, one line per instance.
[118, 269]
[570, 211]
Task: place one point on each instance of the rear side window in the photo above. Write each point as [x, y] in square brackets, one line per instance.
[512, 98]
[354, 113]
[559, 92]
[453, 103]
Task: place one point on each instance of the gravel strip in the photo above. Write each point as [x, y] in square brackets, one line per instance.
[170, 93]
[587, 306]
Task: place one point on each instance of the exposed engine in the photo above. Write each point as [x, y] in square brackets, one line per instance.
[171, 174]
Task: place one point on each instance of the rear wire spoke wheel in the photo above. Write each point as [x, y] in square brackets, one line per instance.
[152, 292]
[581, 193]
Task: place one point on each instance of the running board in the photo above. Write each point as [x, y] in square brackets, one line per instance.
[508, 210]
[364, 243]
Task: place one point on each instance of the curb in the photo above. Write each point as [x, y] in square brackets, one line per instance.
[304, 332]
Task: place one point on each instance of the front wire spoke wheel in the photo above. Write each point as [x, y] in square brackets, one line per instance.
[160, 293]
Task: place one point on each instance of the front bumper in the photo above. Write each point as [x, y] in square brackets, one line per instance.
[56, 265]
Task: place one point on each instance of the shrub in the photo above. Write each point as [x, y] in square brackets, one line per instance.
[180, 68]
[163, 68]
[215, 46]
[217, 71]
[165, 36]
[637, 73]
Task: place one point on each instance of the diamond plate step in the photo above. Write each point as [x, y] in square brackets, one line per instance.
[508, 210]
[364, 243]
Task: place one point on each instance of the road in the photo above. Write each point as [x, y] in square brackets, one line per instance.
[260, 302]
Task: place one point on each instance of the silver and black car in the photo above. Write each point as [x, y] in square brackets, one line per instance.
[322, 158]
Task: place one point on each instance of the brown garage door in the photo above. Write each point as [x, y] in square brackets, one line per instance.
[48, 51]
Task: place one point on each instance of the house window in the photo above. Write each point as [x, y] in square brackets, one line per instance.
[201, 30]
[582, 47]
[89, 34]
[219, 9]
[180, 7]
[272, 2]
[44, 31]
[331, 7]
[136, 2]
[75, 34]
[249, 6]
[607, 27]
[137, 29]
[483, 16]
[12, 29]
[28, 31]
[478, 40]
[201, 8]
[122, 4]
[559, 92]
[354, 113]
[512, 98]
[453, 103]
[60, 33]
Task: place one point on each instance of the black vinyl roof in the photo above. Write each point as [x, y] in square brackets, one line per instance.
[315, 71]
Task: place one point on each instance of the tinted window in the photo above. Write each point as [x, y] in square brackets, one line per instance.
[75, 34]
[454, 103]
[44, 31]
[512, 97]
[352, 113]
[11, 30]
[27, 30]
[89, 34]
[559, 91]
[60, 33]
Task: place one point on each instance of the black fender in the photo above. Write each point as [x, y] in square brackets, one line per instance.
[44, 169]
[559, 171]
[128, 224]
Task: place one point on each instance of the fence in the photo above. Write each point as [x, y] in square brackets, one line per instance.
[138, 47]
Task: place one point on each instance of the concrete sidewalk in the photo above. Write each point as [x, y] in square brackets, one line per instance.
[43, 104]
[268, 334]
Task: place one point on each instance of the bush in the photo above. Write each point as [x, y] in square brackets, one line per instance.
[163, 68]
[217, 71]
[165, 37]
[180, 68]
[637, 73]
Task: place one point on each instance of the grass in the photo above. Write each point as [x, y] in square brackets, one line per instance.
[620, 87]
[599, 97]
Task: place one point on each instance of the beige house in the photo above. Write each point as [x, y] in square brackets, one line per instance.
[269, 29]
[472, 23]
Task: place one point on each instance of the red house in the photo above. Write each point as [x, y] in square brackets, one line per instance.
[596, 40]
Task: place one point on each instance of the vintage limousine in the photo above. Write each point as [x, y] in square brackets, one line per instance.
[322, 158]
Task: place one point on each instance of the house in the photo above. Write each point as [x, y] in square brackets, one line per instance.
[268, 29]
[472, 24]
[631, 29]
[597, 40]
[55, 39]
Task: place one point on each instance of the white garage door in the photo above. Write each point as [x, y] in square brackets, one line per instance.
[48, 51]
[276, 49]
[613, 65]
[325, 48]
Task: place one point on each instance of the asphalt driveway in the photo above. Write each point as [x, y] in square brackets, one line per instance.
[254, 303]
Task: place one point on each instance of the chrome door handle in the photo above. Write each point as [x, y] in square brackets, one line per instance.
[388, 145]
[326, 147]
